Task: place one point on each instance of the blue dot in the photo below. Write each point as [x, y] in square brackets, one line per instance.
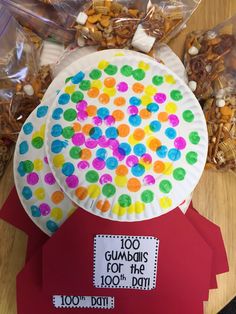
[111, 163]
[20, 169]
[162, 151]
[68, 169]
[101, 153]
[139, 149]
[52, 226]
[27, 193]
[56, 130]
[135, 101]
[111, 133]
[56, 115]
[57, 146]
[64, 99]
[95, 133]
[103, 113]
[135, 120]
[124, 149]
[28, 128]
[42, 111]
[155, 126]
[35, 211]
[153, 107]
[170, 133]
[138, 170]
[78, 78]
[24, 147]
[174, 154]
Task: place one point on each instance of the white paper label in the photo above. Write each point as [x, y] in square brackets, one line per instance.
[65, 301]
[128, 262]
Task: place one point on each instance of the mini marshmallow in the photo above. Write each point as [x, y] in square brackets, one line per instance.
[193, 51]
[208, 68]
[211, 35]
[81, 41]
[142, 41]
[28, 89]
[82, 18]
[192, 85]
[220, 103]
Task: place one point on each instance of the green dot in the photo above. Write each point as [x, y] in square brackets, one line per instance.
[165, 186]
[147, 196]
[191, 158]
[68, 132]
[28, 166]
[158, 80]
[108, 190]
[111, 69]
[179, 174]
[176, 95]
[92, 176]
[138, 74]
[70, 115]
[95, 74]
[126, 70]
[124, 200]
[194, 138]
[85, 85]
[68, 79]
[75, 152]
[76, 97]
[37, 142]
[188, 115]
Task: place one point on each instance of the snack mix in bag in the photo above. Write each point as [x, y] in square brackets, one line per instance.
[210, 60]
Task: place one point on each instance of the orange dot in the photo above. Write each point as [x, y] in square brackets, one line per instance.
[104, 99]
[123, 130]
[109, 82]
[57, 197]
[120, 101]
[91, 110]
[139, 134]
[93, 92]
[81, 193]
[103, 206]
[122, 170]
[154, 144]
[86, 154]
[77, 127]
[118, 115]
[163, 116]
[145, 114]
[87, 128]
[159, 167]
[134, 185]
[138, 88]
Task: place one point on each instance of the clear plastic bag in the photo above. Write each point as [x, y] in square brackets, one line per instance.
[210, 61]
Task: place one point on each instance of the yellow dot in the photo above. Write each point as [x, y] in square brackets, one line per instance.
[170, 79]
[169, 168]
[71, 212]
[38, 164]
[57, 213]
[121, 181]
[146, 100]
[132, 140]
[139, 207]
[110, 91]
[131, 209]
[147, 130]
[97, 83]
[150, 90]
[171, 107]
[94, 191]
[40, 194]
[165, 202]
[118, 210]
[144, 66]
[58, 161]
[115, 209]
[42, 130]
[70, 89]
[103, 64]
[119, 54]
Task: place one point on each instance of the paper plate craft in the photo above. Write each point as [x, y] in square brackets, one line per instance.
[127, 139]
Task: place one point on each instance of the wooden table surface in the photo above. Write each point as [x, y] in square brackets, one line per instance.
[215, 196]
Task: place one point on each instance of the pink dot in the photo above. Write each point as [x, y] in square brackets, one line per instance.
[97, 121]
[180, 143]
[78, 139]
[147, 158]
[132, 110]
[132, 161]
[44, 209]
[113, 144]
[82, 165]
[105, 178]
[90, 143]
[160, 98]
[49, 179]
[32, 178]
[116, 153]
[82, 115]
[46, 160]
[174, 120]
[99, 164]
[110, 120]
[149, 180]
[72, 181]
[82, 105]
[122, 87]
[102, 141]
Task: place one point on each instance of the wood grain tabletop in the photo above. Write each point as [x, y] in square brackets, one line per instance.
[214, 197]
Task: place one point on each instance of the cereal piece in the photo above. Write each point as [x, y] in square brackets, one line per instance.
[226, 111]
[82, 18]
[94, 18]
